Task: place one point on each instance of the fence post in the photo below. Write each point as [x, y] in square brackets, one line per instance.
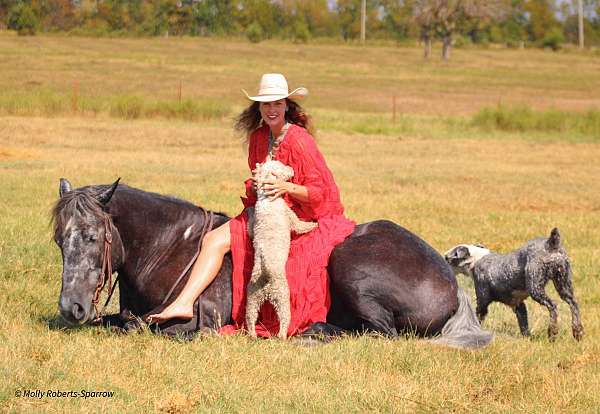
[393, 109]
[179, 92]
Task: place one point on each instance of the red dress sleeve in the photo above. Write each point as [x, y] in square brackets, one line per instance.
[299, 151]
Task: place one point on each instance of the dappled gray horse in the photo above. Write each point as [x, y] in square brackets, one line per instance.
[383, 278]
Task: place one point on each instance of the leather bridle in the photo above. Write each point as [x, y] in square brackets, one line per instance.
[106, 273]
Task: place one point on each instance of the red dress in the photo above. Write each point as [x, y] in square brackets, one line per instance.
[306, 267]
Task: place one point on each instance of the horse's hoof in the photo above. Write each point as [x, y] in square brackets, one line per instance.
[307, 341]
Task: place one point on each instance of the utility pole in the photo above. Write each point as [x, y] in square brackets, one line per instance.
[363, 20]
[580, 11]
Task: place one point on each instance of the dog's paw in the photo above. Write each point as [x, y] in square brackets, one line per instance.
[552, 333]
[578, 333]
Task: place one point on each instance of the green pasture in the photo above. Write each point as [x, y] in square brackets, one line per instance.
[495, 147]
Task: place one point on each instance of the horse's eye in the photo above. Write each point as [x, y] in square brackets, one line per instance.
[91, 238]
[58, 242]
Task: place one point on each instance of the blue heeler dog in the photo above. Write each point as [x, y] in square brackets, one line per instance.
[512, 278]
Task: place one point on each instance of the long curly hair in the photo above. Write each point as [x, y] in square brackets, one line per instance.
[250, 119]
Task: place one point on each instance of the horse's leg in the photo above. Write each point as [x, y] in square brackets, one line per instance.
[322, 329]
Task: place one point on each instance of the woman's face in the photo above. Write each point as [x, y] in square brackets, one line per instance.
[273, 113]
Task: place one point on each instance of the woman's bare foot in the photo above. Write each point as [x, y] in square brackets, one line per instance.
[174, 310]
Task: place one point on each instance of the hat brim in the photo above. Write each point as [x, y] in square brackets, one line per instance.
[296, 93]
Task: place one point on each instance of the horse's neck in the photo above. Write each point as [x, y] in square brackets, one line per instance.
[151, 229]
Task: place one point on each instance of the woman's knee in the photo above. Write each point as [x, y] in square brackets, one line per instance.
[217, 239]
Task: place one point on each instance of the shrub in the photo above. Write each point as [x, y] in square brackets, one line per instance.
[553, 39]
[23, 19]
[254, 32]
[522, 118]
[300, 32]
[128, 107]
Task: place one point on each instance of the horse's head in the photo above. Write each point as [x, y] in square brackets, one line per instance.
[80, 230]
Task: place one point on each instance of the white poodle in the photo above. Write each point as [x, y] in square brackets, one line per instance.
[271, 225]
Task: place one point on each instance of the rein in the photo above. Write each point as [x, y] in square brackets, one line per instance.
[106, 273]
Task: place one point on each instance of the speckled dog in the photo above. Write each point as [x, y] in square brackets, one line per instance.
[270, 225]
[511, 278]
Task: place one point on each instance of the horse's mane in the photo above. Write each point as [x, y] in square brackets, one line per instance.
[84, 201]
[81, 201]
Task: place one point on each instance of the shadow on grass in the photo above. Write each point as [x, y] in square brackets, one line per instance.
[55, 322]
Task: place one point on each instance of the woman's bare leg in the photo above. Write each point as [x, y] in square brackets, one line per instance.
[215, 245]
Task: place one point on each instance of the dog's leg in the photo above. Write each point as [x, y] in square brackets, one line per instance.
[521, 312]
[536, 281]
[281, 303]
[483, 301]
[564, 287]
[255, 296]
[254, 301]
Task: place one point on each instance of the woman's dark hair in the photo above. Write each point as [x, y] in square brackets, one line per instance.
[250, 119]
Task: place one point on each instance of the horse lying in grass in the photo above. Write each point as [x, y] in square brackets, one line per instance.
[383, 278]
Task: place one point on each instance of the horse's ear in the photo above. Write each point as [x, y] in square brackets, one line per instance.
[105, 196]
[64, 187]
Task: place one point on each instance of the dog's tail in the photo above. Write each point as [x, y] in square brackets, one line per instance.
[463, 330]
[554, 239]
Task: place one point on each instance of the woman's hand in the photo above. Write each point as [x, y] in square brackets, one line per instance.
[278, 187]
[275, 188]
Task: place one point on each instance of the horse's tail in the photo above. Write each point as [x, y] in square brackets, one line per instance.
[463, 330]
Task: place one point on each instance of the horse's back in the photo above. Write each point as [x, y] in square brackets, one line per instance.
[387, 279]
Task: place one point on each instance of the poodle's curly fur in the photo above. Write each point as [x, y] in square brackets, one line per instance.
[270, 225]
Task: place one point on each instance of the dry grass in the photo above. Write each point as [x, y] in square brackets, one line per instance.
[498, 188]
[343, 77]
[500, 193]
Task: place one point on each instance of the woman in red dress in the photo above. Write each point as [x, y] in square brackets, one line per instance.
[278, 129]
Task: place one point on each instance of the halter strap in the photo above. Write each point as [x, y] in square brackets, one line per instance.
[106, 273]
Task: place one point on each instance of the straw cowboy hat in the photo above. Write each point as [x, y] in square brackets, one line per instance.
[273, 87]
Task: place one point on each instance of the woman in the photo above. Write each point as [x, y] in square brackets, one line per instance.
[277, 128]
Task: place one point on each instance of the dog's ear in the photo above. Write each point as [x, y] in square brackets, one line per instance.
[463, 252]
[554, 239]
[458, 252]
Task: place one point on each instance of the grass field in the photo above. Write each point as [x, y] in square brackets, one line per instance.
[432, 172]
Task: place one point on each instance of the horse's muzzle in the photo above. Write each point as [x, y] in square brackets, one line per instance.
[74, 313]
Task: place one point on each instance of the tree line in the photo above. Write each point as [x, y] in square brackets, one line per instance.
[514, 23]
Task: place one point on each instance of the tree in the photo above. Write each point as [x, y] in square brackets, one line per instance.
[397, 18]
[542, 18]
[348, 14]
[441, 17]
[5, 7]
[23, 19]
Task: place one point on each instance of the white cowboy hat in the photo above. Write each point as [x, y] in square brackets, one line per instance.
[273, 87]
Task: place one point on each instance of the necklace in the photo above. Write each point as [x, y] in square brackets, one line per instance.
[274, 143]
